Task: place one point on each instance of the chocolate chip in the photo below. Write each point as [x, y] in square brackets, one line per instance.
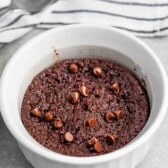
[91, 122]
[97, 71]
[116, 87]
[73, 68]
[112, 138]
[83, 91]
[58, 123]
[98, 147]
[118, 114]
[109, 116]
[36, 112]
[75, 97]
[92, 141]
[48, 116]
[68, 137]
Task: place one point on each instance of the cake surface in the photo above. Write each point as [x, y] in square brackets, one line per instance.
[85, 107]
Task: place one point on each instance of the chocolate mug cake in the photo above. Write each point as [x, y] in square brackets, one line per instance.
[85, 107]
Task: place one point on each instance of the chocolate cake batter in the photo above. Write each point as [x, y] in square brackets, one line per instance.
[85, 107]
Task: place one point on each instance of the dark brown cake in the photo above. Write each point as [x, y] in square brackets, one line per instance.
[85, 107]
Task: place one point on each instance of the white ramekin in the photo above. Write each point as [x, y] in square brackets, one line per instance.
[80, 41]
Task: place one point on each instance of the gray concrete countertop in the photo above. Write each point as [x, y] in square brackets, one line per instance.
[11, 156]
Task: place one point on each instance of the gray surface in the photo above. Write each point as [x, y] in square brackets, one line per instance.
[10, 155]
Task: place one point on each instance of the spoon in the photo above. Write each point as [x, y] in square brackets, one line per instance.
[28, 6]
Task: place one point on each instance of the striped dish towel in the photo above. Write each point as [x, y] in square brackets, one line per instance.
[146, 18]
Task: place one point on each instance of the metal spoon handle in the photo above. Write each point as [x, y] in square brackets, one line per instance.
[30, 6]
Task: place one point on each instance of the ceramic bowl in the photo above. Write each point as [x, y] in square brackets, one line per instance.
[81, 41]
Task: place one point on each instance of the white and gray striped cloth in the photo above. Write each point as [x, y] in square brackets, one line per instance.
[146, 18]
